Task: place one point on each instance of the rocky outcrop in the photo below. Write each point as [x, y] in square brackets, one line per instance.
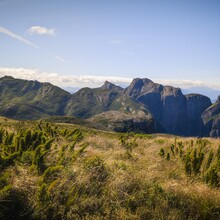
[166, 103]
[211, 119]
[126, 122]
[174, 112]
[196, 105]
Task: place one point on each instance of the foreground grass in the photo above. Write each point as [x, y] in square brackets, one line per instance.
[51, 171]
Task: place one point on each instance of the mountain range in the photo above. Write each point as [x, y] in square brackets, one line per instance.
[144, 106]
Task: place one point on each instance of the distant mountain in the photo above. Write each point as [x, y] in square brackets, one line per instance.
[211, 93]
[144, 106]
[23, 99]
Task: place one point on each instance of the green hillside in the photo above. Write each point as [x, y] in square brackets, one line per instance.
[66, 171]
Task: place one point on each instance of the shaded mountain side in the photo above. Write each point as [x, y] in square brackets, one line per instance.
[165, 102]
[144, 106]
[177, 113]
[195, 106]
[211, 118]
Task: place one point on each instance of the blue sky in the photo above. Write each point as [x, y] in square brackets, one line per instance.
[82, 43]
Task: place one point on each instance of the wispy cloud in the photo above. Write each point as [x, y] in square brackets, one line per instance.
[39, 30]
[60, 59]
[17, 37]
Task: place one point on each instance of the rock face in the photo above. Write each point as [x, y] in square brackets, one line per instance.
[211, 119]
[125, 122]
[173, 111]
[196, 105]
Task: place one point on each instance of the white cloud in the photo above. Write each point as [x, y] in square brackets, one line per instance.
[182, 83]
[17, 37]
[62, 80]
[39, 30]
[92, 81]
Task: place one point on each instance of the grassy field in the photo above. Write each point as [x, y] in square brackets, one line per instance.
[64, 171]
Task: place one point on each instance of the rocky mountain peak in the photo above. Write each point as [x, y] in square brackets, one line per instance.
[110, 86]
[136, 86]
[7, 77]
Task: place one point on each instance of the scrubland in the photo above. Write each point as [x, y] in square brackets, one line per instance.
[63, 171]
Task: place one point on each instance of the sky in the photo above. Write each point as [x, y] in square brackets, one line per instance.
[77, 43]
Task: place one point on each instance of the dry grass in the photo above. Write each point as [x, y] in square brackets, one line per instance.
[131, 176]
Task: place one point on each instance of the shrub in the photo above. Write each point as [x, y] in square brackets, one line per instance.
[210, 158]
[51, 173]
[27, 157]
[212, 177]
[188, 168]
[162, 152]
[43, 194]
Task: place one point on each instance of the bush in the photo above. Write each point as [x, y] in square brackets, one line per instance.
[51, 173]
[162, 152]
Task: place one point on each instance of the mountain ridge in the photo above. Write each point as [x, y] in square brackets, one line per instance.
[144, 106]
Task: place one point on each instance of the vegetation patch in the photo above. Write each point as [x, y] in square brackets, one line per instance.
[64, 171]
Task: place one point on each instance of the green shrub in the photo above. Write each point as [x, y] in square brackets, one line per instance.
[212, 177]
[210, 158]
[43, 194]
[168, 156]
[197, 159]
[162, 152]
[188, 168]
[27, 157]
[51, 173]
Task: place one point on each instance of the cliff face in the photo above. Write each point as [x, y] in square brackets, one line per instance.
[211, 119]
[176, 113]
[196, 105]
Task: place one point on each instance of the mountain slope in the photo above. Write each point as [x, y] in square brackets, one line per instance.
[88, 102]
[23, 99]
